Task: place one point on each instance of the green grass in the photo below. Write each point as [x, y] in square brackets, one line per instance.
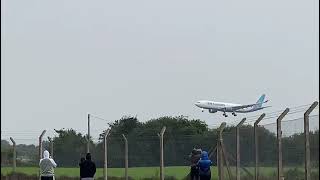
[136, 172]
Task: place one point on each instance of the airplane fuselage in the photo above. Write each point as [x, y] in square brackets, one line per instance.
[214, 106]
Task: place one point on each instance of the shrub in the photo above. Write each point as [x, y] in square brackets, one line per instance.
[294, 174]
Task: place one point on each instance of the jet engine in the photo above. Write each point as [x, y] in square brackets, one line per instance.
[212, 111]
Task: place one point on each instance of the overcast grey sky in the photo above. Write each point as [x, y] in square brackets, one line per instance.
[63, 59]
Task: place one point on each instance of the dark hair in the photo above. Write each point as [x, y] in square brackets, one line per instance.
[199, 151]
[82, 159]
[88, 156]
[194, 151]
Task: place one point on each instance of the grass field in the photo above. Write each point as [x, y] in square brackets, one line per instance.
[136, 172]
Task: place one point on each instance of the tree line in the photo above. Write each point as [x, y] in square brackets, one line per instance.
[181, 136]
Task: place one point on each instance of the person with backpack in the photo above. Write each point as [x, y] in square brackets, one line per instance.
[47, 166]
[194, 169]
[87, 168]
[204, 166]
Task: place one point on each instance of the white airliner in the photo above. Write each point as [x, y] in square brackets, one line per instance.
[214, 107]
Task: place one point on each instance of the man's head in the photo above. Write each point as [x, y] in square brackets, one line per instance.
[194, 151]
[46, 154]
[204, 155]
[88, 156]
[199, 151]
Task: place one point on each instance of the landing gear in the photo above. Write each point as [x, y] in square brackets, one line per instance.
[234, 114]
[224, 114]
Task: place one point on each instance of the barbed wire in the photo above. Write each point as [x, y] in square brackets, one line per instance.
[99, 118]
[270, 115]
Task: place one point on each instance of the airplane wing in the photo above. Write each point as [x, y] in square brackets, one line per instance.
[246, 106]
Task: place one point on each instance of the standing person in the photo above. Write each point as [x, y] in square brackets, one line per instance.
[81, 166]
[89, 168]
[194, 170]
[204, 166]
[47, 166]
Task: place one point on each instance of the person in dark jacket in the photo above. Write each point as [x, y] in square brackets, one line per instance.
[204, 166]
[87, 168]
[194, 158]
[82, 159]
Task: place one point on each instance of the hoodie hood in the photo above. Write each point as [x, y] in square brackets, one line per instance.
[204, 155]
[46, 154]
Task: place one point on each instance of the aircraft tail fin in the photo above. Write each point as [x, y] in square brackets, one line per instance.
[260, 101]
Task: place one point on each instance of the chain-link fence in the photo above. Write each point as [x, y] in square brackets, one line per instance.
[267, 150]
[257, 145]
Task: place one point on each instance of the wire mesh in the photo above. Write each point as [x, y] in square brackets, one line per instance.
[144, 150]
[267, 149]
[314, 146]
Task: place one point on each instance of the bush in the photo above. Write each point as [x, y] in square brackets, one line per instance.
[315, 175]
[294, 174]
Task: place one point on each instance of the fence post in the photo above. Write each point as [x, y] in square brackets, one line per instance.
[40, 143]
[105, 155]
[219, 154]
[256, 146]
[125, 156]
[218, 158]
[14, 155]
[307, 168]
[238, 148]
[161, 153]
[51, 146]
[40, 148]
[279, 144]
[88, 138]
[51, 149]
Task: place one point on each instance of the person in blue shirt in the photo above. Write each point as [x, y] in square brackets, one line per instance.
[204, 166]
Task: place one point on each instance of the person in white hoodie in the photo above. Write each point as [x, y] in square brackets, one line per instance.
[47, 166]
